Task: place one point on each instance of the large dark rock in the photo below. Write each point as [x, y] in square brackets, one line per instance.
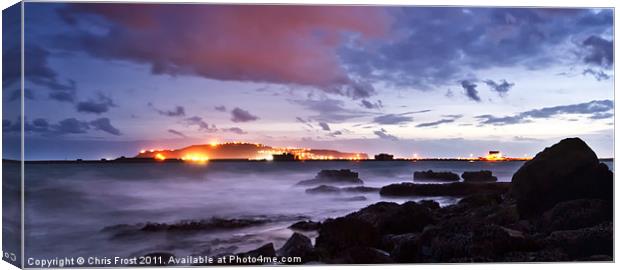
[392, 218]
[582, 243]
[479, 176]
[451, 189]
[565, 171]
[430, 175]
[306, 225]
[336, 235]
[577, 214]
[342, 177]
[298, 246]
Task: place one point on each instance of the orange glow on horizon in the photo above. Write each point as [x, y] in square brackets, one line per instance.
[159, 156]
[193, 157]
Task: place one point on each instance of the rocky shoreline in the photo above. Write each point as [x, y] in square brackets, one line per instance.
[558, 207]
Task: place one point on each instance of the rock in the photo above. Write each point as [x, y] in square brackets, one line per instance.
[585, 242]
[334, 190]
[360, 189]
[430, 204]
[306, 226]
[577, 214]
[451, 189]
[323, 189]
[479, 176]
[362, 255]
[344, 176]
[351, 199]
[565, 171]
[336, 235]
[392, 218]
[390, 241]
[435, 176]
[266, 250]
[298, 246]
[478, 200]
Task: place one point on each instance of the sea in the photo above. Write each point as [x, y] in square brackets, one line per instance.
[72, 209]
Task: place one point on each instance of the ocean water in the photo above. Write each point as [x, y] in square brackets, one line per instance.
[69, 205]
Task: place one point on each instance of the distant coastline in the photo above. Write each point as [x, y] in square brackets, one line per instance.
[150, 160]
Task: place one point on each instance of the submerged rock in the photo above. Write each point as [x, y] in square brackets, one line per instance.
[344, 176]
[565, 171]
[323, 189]
[479, 176]
[333, 189]
[351, 199]
[207, 224]
[451, 189]
[430, 175]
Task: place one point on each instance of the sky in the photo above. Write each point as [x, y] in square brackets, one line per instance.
[105, 80]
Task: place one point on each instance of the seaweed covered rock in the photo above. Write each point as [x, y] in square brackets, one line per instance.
[565, 171]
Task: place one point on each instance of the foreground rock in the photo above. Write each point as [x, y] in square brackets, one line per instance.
[479, 176]
[565, 171]
[342, 177]
[451, 189]
[435, 176]
[298, 246]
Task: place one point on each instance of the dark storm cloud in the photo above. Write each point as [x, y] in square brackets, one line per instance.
[178, 111]
[71, 126]
[200, 123]
[502, 87]
[240, 115]
[235, 130]
[395, 119]
[596, 109]
[369, 105]
[178, 133]
[392, 119]
[104, 125]
[384, 135]
[324, 126]
[36, 68]
[448, 119]
[63, 96]
[449, 43]
[220, 108]
[305, 122]
[599, 75]
[470, 90]
[100, 105]
[178, 39]
[599, 51]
